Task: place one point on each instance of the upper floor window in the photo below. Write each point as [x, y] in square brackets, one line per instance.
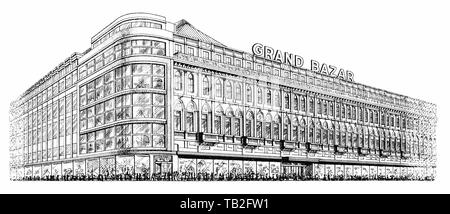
[249, 94]
[269, 97]
[219, 88]
[190, 51]
[353, 113]
[218, 57]
[311, 105]
[302, 104]
[206, 86]
[238, 91]
[228, 60]
[278, 99]
[295, 103]
[190, 82]
[178, 80]
[319, 107]
[178, 49]
[239, 62]
[259, 96]
[287, 103]
[228, 90]
[206, 54]
[349, 113]
[248, 65]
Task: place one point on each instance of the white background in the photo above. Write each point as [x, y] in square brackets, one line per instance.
[400, 46]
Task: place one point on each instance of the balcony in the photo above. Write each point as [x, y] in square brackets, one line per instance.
[287, 145]
[208, 139]
[363, 151]
[185, 134]
[312, 147]
[339, 149]
[405, 155]
[251, 142]
[384, 153]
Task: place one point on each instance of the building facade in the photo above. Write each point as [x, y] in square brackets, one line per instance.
[153, 97]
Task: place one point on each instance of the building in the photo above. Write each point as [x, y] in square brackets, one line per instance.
[150, 96]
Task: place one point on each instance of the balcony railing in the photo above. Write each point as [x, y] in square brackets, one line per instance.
[251, 142]
[384, 153]
[312, 147]
[287, 145]
[405, 155]
[208, 139]
[339, 149]
[363, 151]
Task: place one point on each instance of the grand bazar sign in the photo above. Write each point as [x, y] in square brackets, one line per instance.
[298, 61]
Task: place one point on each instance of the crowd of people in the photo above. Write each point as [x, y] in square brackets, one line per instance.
[219, 177]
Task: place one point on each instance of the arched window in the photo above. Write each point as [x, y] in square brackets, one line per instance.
[349, 136]
[361, 114]
[349, 112]
[205, 119]
[249, 94]
[228, 117]
[338, 110]
[286, 126]
[278, 99]
[269, 97]
[259, 95]
[295, 130]
[366, 116]
[311, 105]
[375, 117]
[338, 134]
[302, 103]
[343, 135]
[295, 102]
[177, 116]
[331, 135]
[190, 83]
[178, 80]
[311, 131]
[219, 90]
[238, 91]
[325, 132]
[303, 131]
[191, 114]
[228, 90]
[331, 108]
[259, 123]
[388, 138]
[287, 103]
[354, 137]
[249, 124]
[319, 106]
[218, 120]
[318, 133]
[377, 139]
[237, 123]
[353, 113]
[276, 128]
[371, 116]
[268, 126]
[206, 86]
